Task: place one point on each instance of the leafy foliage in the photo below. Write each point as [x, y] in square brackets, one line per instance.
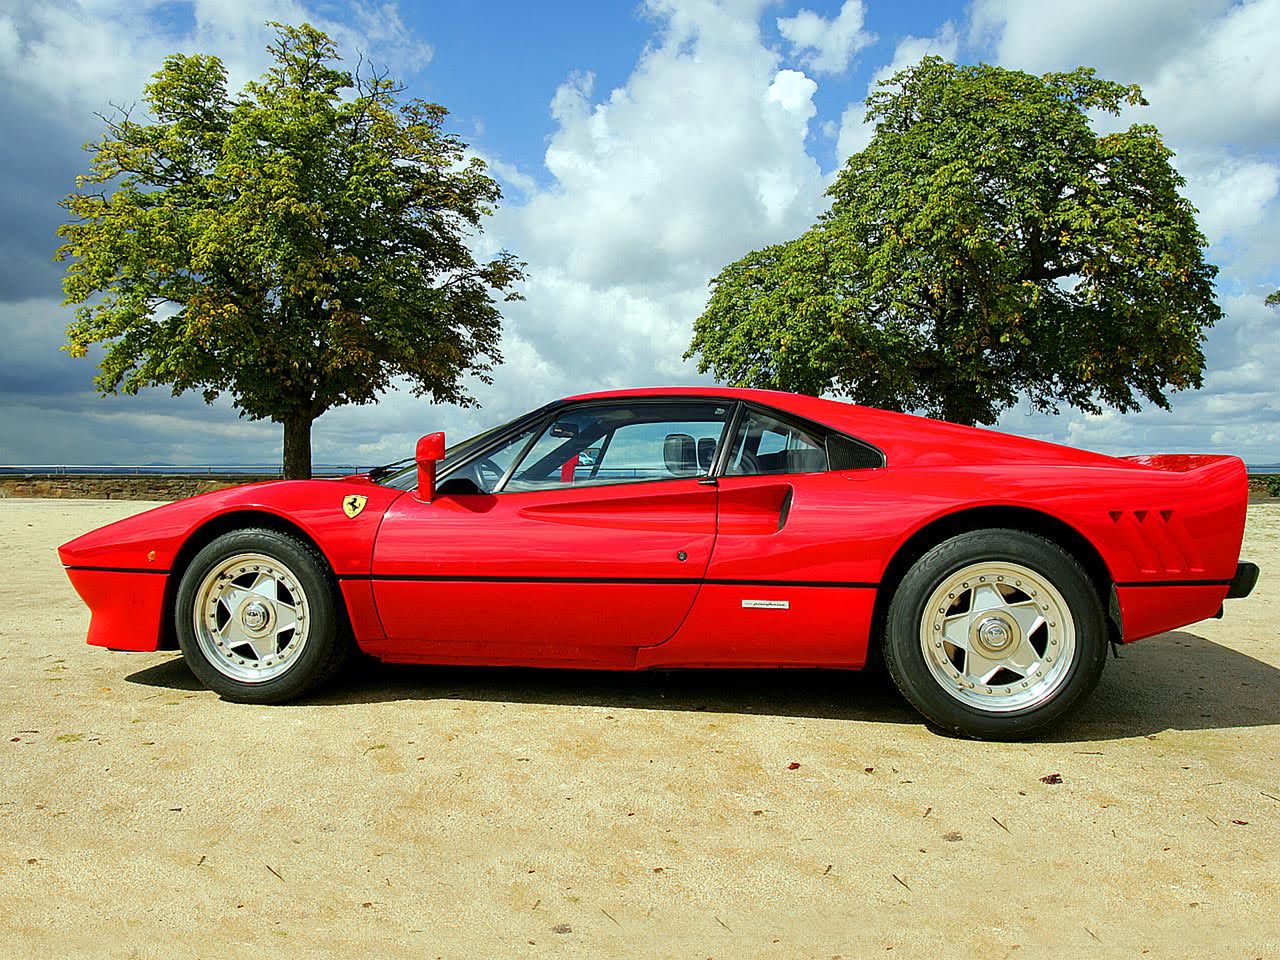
[298, 246]
[987, 244]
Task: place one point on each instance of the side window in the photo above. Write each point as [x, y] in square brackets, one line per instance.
[483, 474]
[630, 443]
[765, 445]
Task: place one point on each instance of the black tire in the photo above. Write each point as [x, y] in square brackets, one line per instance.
[327, 643]
[905, 656]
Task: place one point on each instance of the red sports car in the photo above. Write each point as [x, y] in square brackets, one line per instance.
[691, 527]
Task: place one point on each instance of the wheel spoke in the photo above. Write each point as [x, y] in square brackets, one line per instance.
[286, 618]
[1023, 658]
[233, 633]
[986, 597]
[1028, 616]
[979, 668]
[264, 586]
[264, 647]
[233, 597]
[955, 630]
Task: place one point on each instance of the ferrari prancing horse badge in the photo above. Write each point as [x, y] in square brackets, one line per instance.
[352, 506]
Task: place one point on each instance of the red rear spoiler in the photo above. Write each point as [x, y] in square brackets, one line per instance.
[1182, 462]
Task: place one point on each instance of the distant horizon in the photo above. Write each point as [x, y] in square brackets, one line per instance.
[246, 468]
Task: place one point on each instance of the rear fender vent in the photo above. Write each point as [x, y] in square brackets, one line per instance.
[845, 453]
[1158, 542]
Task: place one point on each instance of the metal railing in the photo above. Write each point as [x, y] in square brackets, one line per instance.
[169, 469]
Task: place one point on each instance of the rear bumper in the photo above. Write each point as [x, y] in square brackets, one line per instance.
[1146, 610]
[125, 606]
[1244, 581]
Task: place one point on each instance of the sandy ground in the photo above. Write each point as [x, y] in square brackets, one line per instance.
[433, 812]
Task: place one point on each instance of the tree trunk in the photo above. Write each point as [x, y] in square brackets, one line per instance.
[958, 409]
[297, 447]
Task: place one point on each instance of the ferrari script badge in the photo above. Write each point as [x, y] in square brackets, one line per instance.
[352, 506]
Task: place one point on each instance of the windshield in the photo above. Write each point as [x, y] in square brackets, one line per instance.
[407, 477]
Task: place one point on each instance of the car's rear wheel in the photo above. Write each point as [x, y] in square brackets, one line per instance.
[995, 634]
[256, 617]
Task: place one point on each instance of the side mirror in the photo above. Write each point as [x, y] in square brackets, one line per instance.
[430, 451]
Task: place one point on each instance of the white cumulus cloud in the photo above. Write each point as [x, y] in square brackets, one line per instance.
[698, 157]
[828, 46]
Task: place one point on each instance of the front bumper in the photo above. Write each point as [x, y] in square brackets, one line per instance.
[1243, 582]
[124, 605]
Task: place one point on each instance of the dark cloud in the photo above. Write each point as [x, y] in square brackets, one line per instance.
[38, 165]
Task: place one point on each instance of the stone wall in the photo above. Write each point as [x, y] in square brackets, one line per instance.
[1264, 486]
[109, 486]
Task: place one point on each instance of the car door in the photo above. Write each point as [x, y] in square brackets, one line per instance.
[777, 590]
[591, 529]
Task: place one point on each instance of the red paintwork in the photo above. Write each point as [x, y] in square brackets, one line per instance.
[151, 542]
[593, 576]
[824, 627]
[430, 450]
[1147, 611]
[126, 607]
[630, 532]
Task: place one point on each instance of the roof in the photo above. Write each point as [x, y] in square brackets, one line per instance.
[904, 438]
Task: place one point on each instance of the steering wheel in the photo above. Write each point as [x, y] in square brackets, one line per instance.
[487, 469]
[747, 466]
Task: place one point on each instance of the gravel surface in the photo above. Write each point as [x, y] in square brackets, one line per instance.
[471, 813]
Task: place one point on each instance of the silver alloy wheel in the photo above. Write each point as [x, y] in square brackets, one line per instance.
[250, 617]
[998, 637]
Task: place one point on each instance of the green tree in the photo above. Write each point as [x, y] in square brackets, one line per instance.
[298, 246]
[987, 244]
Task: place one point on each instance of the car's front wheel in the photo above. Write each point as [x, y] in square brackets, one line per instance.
[256, 617]
[995, 634]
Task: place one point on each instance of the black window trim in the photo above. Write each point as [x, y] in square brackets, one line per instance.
[563, 408]
[538, 420]
[535, 420]
[800, 423]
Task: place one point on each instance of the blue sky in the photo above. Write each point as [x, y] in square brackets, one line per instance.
[641, 146]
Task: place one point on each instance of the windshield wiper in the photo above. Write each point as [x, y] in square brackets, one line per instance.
[377, 473]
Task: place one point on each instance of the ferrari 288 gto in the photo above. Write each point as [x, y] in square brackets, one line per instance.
[691, 527]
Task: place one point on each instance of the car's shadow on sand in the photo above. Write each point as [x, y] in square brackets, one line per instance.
[1178, 681]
